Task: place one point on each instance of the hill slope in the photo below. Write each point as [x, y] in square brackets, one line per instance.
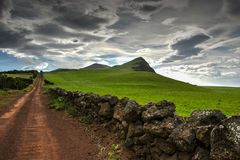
[148, 86]
[97, 66]
[138, 64]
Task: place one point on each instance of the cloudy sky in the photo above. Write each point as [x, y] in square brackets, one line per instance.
[196, 41]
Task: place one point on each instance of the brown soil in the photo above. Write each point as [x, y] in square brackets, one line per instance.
[29, 131]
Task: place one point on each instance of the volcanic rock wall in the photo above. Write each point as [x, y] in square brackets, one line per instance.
[155, 132]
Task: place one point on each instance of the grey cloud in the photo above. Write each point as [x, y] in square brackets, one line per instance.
[206, 6]
[125, 20]
[233, 7]
[147, 0]
[79, 20]
[143, 6]
[10, 38]
[148, 8]
[187, 47]
[24, 9]
[109, 56]
[50, 29]
[4, 5]
[32, 49]
[50, 2]
[62, 46]
[89, 38]
[56, 31]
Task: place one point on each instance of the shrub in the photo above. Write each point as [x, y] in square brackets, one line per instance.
[60, 104]
[114, 152]
[87, 119]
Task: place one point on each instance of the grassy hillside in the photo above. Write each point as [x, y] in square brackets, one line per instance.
[138, 64]
[147, 86]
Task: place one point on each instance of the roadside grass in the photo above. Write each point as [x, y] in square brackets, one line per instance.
[87, 119]
[62, 104]
[7, 96]
[147, 87]
[22, 75]
[111, 152]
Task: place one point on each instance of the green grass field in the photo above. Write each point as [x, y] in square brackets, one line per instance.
[7, 97]
[147, 87]
[22, 75]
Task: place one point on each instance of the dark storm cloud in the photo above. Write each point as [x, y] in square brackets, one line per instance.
[23, 9]
[56, 31]
[50, 2]
[147, 1]
[125, 20]
[4, 5]
[50, 29]
[79, 20]
[89, 38]
[233, 7]
[187, 47]
[143, 6]
[148, 8]
[32, 49]
[10, 38]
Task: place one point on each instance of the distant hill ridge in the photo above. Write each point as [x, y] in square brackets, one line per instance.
[97, 66]
[137, 64]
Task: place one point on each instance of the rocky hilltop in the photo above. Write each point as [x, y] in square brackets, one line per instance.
[97, 66]
[138, 64]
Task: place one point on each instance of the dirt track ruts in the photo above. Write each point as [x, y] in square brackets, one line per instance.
[30, 131]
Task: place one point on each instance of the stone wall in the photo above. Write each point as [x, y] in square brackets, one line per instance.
[154, 131]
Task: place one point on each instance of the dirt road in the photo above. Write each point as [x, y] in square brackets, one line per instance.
[30, 131]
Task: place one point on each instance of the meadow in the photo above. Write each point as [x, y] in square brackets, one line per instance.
[7, 96]
[20, 75]
[147, 87]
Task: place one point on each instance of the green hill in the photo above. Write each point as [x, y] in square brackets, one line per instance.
[97, 66]
[138, 64]
[146, 86]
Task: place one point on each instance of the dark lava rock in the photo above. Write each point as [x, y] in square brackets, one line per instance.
[158, 111]
[184, 155]
[92, 98]
[77, 101]
[140, 151]
[168, 157]
[206, 117]
[112, 100]
[131, 111]
[128, 142]
[155, 153]
[201, 154]
[184, 138]
[225, 139]
[203, 134]
[119, 112]
[105, 110]
[135, 130]
[161, 128]
[145, 139]
[165, 146]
